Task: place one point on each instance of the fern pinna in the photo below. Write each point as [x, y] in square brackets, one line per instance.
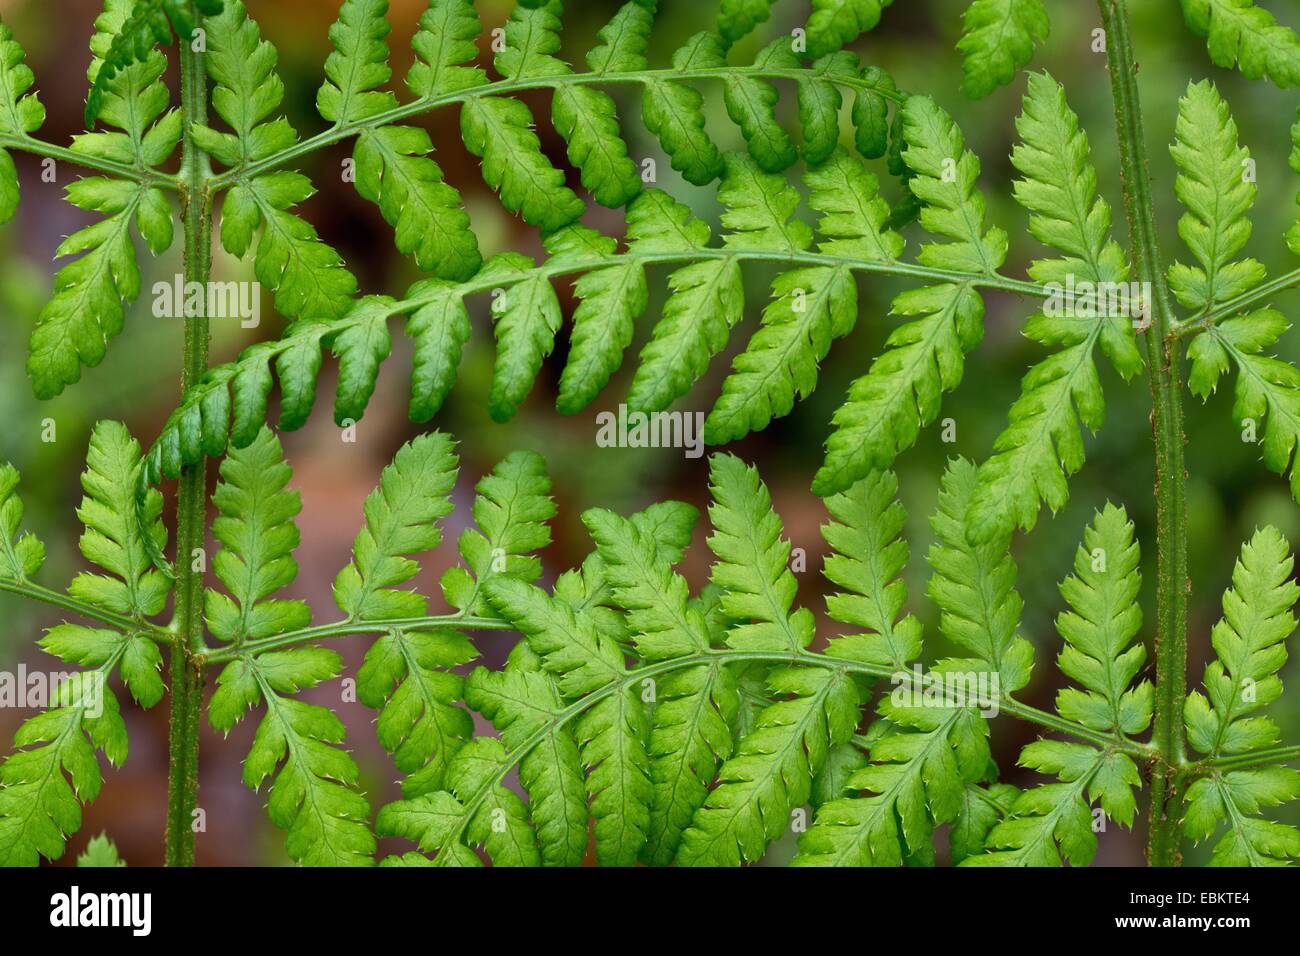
[662, 726]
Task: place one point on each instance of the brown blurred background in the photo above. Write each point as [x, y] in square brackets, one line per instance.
[1230, 491]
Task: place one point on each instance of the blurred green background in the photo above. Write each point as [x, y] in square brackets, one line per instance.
[1230, 492]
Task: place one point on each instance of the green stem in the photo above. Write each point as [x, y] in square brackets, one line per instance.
[1242, 303]
[1172, 583]
[1246, 761]
[344, 131]
[186, 657]
[344, 628]
[35, 592]
[140, 174]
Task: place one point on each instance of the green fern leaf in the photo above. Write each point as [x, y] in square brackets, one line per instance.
[867, 559]
[624, 40]
[752, 566]
[998, 38]
[921, 766]
[1247, 37]
[499, 132]
[511, 512]
[1041, 445]
[1251, 650]
[314, 795]
[751, 103]
[1055, 821]
[406, 676]
[443, 45]
[393, 170]
[674, 112]
[609, 302]
[837, 23]
[43, 786]
[475, 810]
[358, 66]
[974, 585]
[440, 329]
[87, 308]
[20, 113]
[525, 319]
[1213, 185]
[307, 276]
[772, 769]
[612, 734]
[21, 556]
[100, 852]
[707, 299]
[120, 533]
[523, 704]
[738, 18]
[256, 529]
[887, 408]
[811, 306]
[402, 517]
[1267, 392]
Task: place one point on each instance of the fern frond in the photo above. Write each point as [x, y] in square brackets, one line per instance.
[1213, 183]
[707, 300]
[475, 811]
[974, 585]
[499, 132]
[307, 275]
[144, 24]
[523, 704]
[888, 406]
[867, 556]
[87, 308]
[774, 763]
[1041, 446]
[100, 852]
[21, 113]
[43, 785]
[998, 38]
[402, 517]
[511, 512]
[673, 112]
[772, 769]
[255, 526]
[393, 170]
[120, 532]
[612, 734]
[810, 308]
[314, 795]
[21, 555]
[1246, 36]
[404, 674]
[921, 767]
[358, 66]
[1243, 679]
[442, 46]
[837, 23]
[753, 562]
[1055, 821]
[738, 18]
